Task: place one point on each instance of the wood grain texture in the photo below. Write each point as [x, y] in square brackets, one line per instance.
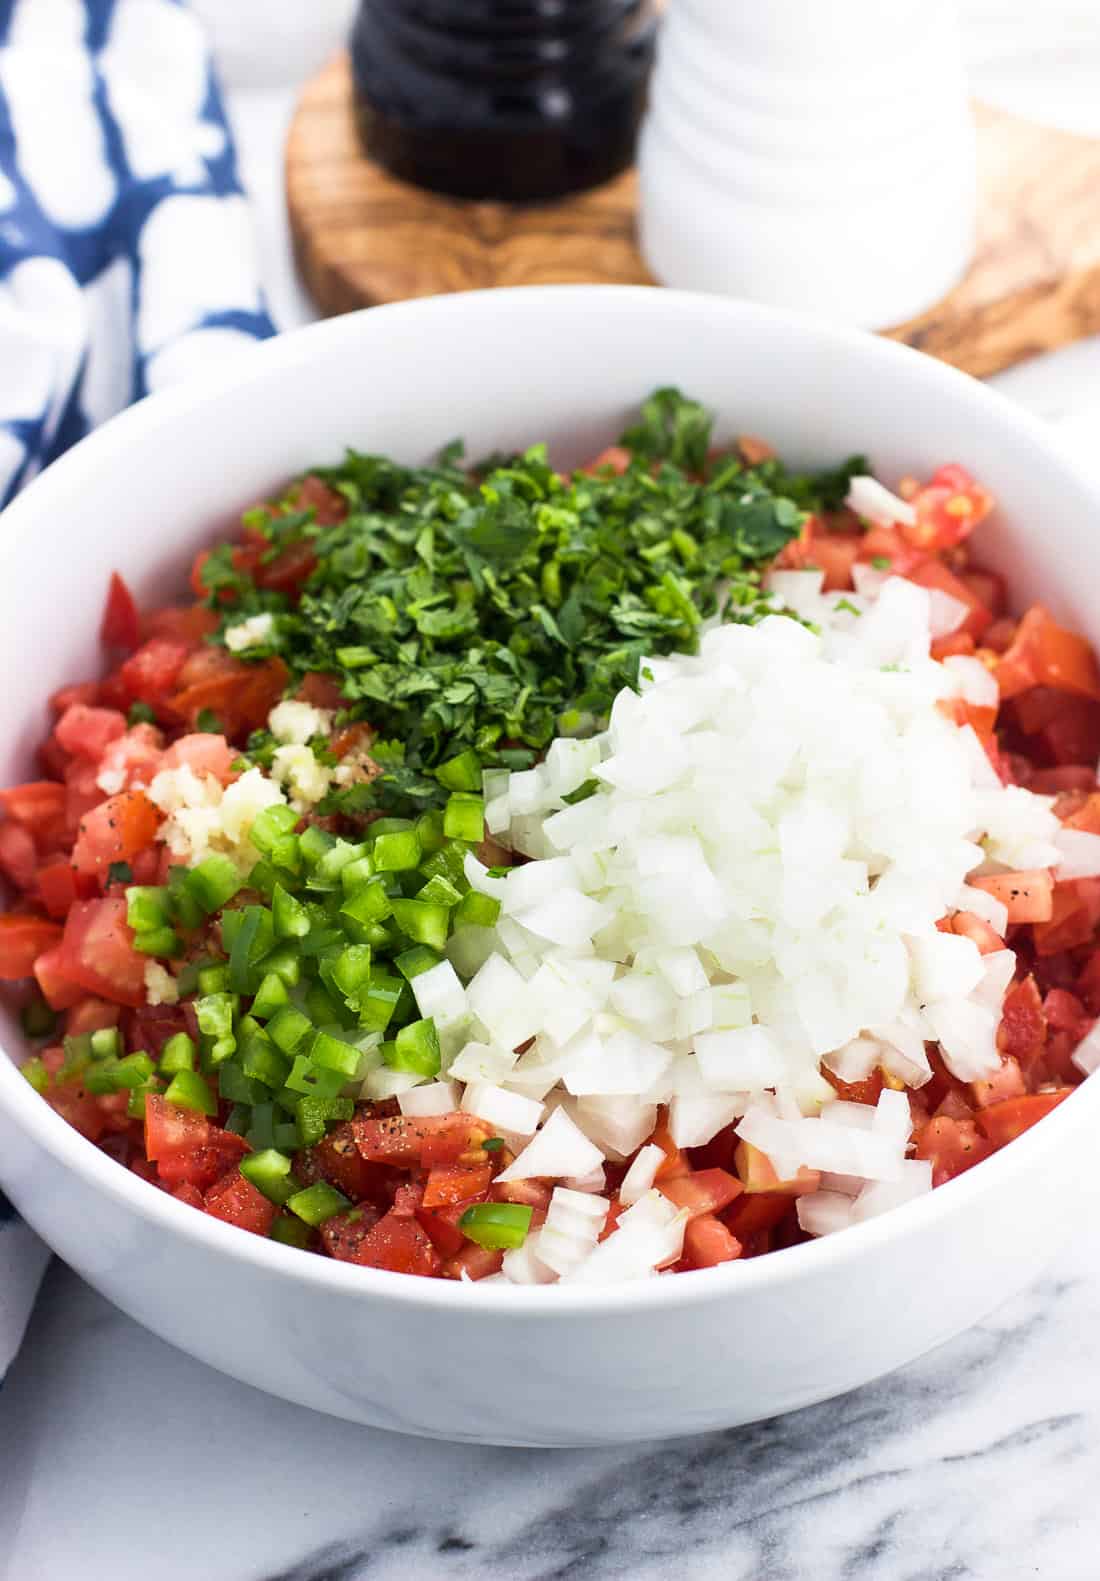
[362, 238]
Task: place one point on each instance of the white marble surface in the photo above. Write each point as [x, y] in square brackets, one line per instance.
[123, 1460]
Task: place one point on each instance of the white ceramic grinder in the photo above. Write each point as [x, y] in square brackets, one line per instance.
[812, 154]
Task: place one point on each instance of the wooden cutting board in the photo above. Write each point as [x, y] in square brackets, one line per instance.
[362, 238]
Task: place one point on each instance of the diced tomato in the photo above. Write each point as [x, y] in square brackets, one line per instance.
[240, 695]
[400, 1245]
[865, 1091]
[97, 952]
[616, 458]
[150, 1026]
[456, 1183]
[23, 938]
[87, 732]
[978, 931]
[235, 1200]
[961, 713]
[18, 856]
[170, 1130]
[78, 1108]
[933, 574]
[321, 691]
[473, 1262]
[753, 1213]
[707, 1242]
[958, 644]
[56, 886]
[187, 1193]
[337, 1159]
[203, 754]
[751, 450]
[948, 509]
[356, 737]
[115, 831]
[429, 1140]
[327, 504]
[1023, 1027]
[442, 1230]
[343, 1235]
[1064, 1012]
[1084, 815]
[1075, 911]
[58, 989]
[675, 1163]
[150, 674]
[706, 1191]
[1028, 896]
[758, 1174]
[954, 1106]
[1088, 983]
[534, 1194]
[1004, 1122]
[1073, 735]
[836, 553]
[988, 587]
[188, 624]
[951, 1146]
[289, 570]
[38, 807]
[718, 1152]
[887, 543]
[192, 1151]
[1007, 1082]
[82, 792]
[82, 692]
[1068, 777]
[120, 627]
[1046, 654]
[133, 760]
[90, 1015]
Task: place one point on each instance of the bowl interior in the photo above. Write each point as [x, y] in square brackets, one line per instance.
[565, 365]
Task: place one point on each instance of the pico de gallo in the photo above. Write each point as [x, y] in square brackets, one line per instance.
[250, 838]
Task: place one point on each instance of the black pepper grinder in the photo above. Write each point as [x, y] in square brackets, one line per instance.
[518, 100]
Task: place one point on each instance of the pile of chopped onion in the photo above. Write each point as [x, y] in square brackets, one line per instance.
[736, 884]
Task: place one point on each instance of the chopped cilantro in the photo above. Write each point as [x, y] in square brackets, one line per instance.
[490, 610]
[881, 562]
[141, 714]
[208, 722]
[848, 607]
[119, 873]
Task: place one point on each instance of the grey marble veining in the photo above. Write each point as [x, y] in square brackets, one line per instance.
[123, 1460]
[977, 1463]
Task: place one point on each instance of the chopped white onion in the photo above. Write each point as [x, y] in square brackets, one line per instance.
[558, 1151]
[872, 500]
[438, 1097]
[641, 1174]
[823, 1212]
[779, 822]
[572, 1228]
[1086, 1056]
[1080, 854]
[510, 1112]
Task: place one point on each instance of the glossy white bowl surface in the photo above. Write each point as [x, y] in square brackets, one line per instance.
[523, 1366]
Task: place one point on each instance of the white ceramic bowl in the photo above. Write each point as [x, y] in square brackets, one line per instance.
[523, 1366]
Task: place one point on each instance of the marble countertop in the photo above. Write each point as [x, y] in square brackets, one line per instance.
[122, 1459]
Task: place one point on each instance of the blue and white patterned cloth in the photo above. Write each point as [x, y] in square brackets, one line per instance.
[126, 262]
[126, 253]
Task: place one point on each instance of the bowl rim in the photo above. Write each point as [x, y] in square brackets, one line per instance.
[97, 1171]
